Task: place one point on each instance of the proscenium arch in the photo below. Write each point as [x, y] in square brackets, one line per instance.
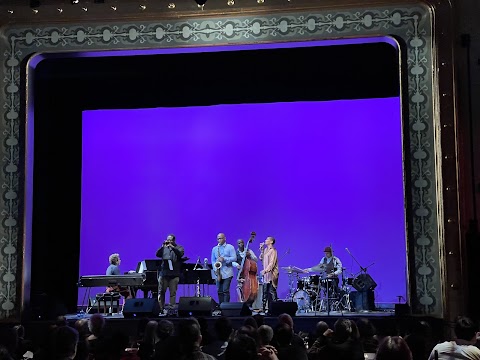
[431, 136]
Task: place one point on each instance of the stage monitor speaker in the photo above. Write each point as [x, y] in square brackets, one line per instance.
[235, 309]
[402, 309]
[363, 300]
[195, 306]
[364, 282]
[148, 307]
[279, 307]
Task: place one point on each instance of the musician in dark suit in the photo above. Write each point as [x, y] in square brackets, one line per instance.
[114, 269]
[169, 274]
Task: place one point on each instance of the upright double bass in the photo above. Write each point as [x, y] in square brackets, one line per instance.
[247, 282]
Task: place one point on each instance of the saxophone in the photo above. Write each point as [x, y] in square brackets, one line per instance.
[217, 266]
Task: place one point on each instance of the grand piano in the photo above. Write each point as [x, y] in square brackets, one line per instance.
[191, 274]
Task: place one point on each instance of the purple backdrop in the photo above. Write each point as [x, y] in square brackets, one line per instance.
[310, 174]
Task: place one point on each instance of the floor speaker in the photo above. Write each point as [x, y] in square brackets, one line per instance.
[279, 307]
[235, 309]
[195, 306]
[363, 300]
[364, 282]
[141, 308]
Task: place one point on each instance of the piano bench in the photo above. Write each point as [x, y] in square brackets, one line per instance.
[109, 301]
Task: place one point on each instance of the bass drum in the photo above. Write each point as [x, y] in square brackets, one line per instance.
[304, 299]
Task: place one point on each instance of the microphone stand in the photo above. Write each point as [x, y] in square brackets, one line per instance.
[363, 270]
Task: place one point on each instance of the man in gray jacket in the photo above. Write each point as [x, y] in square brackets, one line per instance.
[169, 274]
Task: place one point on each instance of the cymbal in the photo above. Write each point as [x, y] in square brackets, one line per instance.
[292, 269]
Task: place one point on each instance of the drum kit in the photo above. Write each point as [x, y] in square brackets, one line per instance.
[319, 293]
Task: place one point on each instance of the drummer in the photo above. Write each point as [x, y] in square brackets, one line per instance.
[329, 265]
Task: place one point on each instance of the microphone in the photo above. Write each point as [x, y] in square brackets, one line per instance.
[205, 262]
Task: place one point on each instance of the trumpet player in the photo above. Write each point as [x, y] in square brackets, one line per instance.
[169, 273]
[223, 255]
[269, 256]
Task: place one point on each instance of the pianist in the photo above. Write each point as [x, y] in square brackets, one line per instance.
[169, 274]
[114, 269]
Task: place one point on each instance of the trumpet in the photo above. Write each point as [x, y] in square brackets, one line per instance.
[217, 266]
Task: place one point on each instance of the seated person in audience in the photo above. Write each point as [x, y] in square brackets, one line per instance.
[114, 269]
[243, 347]
[287, 350]
[190, 338]
[167, 344]
[265, 335]
[223, 331]
[343, 342]
[315, 351]
[463, 346]
[287, 319]
[65, 343]
[97, 342]
[367, 335]
[393, 348]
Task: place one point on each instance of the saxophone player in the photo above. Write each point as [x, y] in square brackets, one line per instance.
[223, 255]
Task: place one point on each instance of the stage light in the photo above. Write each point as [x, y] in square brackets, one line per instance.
[74, 2]
[35, 11]
[10, 11]
[85, 9]
[230, 2]
[142, 7]
[171, 6]
[114, 8]
[60, 10]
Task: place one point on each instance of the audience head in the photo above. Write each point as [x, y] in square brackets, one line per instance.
[150, 332]
[393, 348]
[61, 321]
[65, 340]
[20, 330]
[321, 327]
[285, 319]
[365, 328]
[265, 335]
[189, 334]
[343, 329]
[96, 323]
[465, 329]
[241, 347]
[223, 328]
[4, 354]
[283, 334]
[8, 339]
[165, 329]
[81, 326]
[260, 319]
[249, 331]
[251, 321]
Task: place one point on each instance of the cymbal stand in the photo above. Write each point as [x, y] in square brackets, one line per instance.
[292, 285]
